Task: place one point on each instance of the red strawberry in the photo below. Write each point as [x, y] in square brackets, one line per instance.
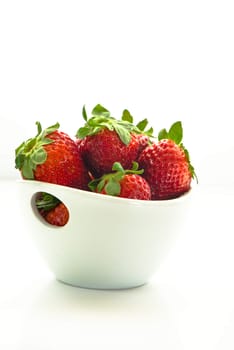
[166, 165]
[107, 140]
[123, 183]
[52, 156]
[58, 216]
[102, 149]
[52, 209]
[144, 141]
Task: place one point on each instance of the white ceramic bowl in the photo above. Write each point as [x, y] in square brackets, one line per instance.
[108, 242]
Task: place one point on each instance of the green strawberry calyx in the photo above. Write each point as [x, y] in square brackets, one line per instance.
[47, 202]
[110, 183]
[175, 133]
[101, 119]
[30, 153]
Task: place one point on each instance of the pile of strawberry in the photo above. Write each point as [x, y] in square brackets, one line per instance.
[109, 156]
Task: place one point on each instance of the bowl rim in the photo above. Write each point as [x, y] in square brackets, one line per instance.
[108, 198]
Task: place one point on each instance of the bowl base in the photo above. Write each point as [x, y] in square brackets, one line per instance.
[95, 286]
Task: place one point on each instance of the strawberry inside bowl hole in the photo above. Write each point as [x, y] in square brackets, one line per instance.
[50, 209]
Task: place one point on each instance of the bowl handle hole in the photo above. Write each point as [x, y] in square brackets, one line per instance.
[50, 209]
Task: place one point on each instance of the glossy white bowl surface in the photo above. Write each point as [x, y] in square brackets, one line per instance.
[108, 242]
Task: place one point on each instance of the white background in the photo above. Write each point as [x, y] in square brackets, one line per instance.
[165, 61]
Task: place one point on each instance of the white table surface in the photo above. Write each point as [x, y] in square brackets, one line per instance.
[188, 304]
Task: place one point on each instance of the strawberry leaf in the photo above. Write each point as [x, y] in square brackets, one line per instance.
[117, 167]
[113, 188]
[176, 132]
[149, 132]
[39, 128]
[100, 110]
[95, 130]
[27, 169]
[46, 141]
[83, 132]
[49, 130]
[46, 201]
[127, 116]
[142, 124]
[100, 185]
[191, 168]
[93, 184]
[135, 166]
[124, 134]
[84, 114]
[39, 157]
[98, 120]
[163, 134]
[19, 159]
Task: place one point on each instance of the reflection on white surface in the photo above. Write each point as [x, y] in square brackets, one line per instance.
[188, 304]
[153, 315]
[91, 317]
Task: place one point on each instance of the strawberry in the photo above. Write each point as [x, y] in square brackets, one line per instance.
[123, 183]
[52, 156]
[102, 149]
[166, 164]
[52, 209]
[144, 141]
[104, 140]
[58, 216]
